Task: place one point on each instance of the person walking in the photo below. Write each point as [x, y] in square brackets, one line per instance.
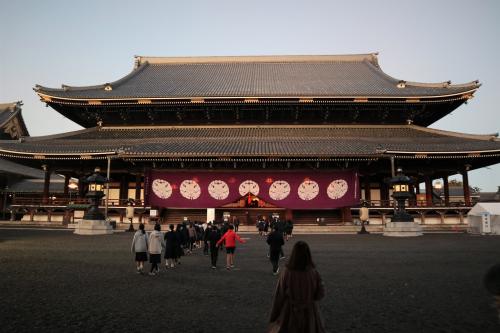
[213, 237]
[140, 247]
[275, 241]
[179, 252]
[230, 238]
[156, 244]
[288, 229]
[298, 290]
[206, 237]
[279, 227]
[192, 237]
[171, 245]
[260, 227]
[236, 222]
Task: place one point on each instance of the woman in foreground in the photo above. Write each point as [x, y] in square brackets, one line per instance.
[295, 307]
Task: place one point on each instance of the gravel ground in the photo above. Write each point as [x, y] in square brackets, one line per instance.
[58, 281]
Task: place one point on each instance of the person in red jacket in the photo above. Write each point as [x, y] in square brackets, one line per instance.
[230, 237]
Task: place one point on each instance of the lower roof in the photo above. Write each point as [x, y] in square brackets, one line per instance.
[285, 141]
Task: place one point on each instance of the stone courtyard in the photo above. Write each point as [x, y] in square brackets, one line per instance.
[53, 280]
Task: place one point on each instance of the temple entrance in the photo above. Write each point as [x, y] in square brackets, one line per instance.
[176, 216]
[248, 209]
[248, 216]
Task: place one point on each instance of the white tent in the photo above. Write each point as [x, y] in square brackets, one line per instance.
[484, 210]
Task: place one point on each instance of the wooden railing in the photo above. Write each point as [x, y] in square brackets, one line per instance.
[65, 201]
[20, 200]
[416, 204]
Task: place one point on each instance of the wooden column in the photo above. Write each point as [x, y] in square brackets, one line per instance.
[428, 191]
[66, 183]
[46, 184]
[346, 215]
[446, 190]
[138, 178]
[465, 181]
[384, 194]
[123, 189]
[368, 196]
[413, 200]
[82, 187]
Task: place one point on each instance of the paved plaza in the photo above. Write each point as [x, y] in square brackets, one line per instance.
[58, 281]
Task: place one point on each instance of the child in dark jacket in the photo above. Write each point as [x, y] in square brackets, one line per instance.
[275, 241]
[213, 237]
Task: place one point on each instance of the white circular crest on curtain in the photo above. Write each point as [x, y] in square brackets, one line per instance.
[190, 189]
[218, 189]
[279, 190]
[161, 188]
[249, 186]
[337, 189]
[308, 190]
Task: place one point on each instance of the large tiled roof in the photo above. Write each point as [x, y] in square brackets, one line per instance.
[247, 141]
[259, 77]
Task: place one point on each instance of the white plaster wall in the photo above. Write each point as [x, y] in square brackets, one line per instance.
[452, 220]
[432, 220]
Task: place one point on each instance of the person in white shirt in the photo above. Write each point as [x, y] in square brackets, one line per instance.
[156, 244]
[140, 247]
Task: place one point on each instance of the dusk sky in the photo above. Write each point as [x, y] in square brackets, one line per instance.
[92, 42]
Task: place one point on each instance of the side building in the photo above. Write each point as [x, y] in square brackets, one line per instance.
[18, 180]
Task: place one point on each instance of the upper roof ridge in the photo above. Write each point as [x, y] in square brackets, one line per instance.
[371, 57]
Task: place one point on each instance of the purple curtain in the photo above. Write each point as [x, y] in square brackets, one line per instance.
[292, 190]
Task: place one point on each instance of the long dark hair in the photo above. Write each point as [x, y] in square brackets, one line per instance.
[301, 259]
[141, 228]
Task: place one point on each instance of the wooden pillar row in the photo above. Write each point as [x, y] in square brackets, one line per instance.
[368, 196]
[428, 191]
[384, 193]
[413, 200]
[66, 183]
[46, 183]
[346, 215]
[465, 182]
[123, 189]
[82, 186]
[446, 189]
[138, 179]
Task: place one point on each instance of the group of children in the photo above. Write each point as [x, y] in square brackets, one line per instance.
[174, 242]
[285, 227]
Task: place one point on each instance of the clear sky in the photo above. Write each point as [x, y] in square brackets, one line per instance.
[54, 42]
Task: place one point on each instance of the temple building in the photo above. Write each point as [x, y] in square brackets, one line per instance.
[302, 137]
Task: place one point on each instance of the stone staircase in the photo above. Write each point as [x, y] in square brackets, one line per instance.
[320, 229]
[176, 216]
[298, 229]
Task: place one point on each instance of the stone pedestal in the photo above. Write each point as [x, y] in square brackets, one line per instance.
[93, 227]
[402, 229]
